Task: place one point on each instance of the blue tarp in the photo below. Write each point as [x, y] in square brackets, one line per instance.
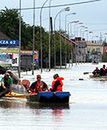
[46, 94]
[53, 94]
[62, 94]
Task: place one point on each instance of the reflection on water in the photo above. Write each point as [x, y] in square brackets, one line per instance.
[21, 115]
[22, 103]
[8, 103]
[48, 106]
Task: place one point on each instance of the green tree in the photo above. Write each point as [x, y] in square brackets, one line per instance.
[9, 22]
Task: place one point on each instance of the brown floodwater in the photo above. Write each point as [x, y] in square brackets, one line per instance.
[87, 109]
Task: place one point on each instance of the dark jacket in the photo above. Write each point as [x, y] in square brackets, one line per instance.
[37, 87]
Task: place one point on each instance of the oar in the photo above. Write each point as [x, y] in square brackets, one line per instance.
[87, 72]
[26, 84]
[2, 94]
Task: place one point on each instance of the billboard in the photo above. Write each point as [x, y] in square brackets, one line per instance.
[5, 58]
[9, 52]
[9, 43]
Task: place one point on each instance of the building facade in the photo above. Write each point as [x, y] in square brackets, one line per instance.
[94, 52]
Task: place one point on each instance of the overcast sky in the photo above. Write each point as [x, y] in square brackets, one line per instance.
[92, 15]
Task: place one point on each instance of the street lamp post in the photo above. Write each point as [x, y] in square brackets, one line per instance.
[90, 35]
[65, 9]
[82, 31]
[80, 23]
[76, 21]
[66, 19]
[70, 36]
[41, 33]
[76, 29]
[19, 68]
[105, 37]
[33, 36]
[50, 35]
[65, 35]
[60, 40]
[69, 29]
[86, 34]
[85, 30]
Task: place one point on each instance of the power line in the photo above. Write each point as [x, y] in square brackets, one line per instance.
[100, 23]
[54, 6]
[97, 30]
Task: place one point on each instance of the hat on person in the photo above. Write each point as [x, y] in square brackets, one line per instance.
[9, 71]
[7, 74]
[55, 76]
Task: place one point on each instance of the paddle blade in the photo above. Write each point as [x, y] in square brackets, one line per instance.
[26, 83]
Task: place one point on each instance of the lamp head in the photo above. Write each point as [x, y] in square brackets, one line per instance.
[90, 32]
[67, 9]
[75, 21]
[74, 13]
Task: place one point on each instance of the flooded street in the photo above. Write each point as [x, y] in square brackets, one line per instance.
[87, 109]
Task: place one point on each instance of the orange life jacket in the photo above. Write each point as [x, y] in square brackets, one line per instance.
[57, 84]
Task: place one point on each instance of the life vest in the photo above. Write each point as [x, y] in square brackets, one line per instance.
[57, 84]
[38, 86]
[26, 84]
[103, 72]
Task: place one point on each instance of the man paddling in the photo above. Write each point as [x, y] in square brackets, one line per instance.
[38, 85]
[15, 78]
[96, 72]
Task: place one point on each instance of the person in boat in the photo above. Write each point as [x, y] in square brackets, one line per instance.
[38, 85]
[103, 71]
[6, 83]
[18, 85]
[96, 72]
[57, 84]
[15, 78]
